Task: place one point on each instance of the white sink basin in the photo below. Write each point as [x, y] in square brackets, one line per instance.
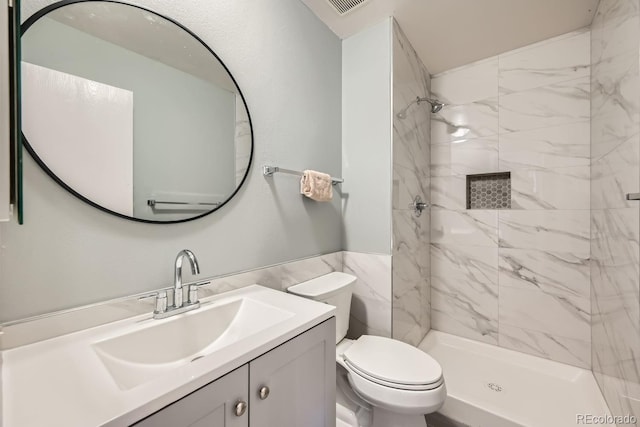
[118, 373]
[143, 354]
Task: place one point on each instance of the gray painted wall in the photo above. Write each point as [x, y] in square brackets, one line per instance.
[367, 136]
[289, 68]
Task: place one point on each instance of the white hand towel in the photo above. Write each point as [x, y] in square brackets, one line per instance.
[316, 185]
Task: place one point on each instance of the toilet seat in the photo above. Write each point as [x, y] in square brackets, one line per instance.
[400, 386]
[393, 375]
[393, 363]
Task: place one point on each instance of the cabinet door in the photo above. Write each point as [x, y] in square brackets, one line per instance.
[213, 405]
[301, 378]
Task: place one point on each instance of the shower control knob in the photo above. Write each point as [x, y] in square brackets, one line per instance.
[241, 408]
[263, 392]
[418, 205]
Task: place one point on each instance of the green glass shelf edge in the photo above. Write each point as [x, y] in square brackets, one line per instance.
[18, 132]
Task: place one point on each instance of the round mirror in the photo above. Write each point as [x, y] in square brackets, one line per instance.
[131, 112]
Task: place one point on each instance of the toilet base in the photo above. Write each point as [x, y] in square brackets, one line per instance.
[384, 418]
[381, 418]
[353, 411]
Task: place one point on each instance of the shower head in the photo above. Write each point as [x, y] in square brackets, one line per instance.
[435, 106]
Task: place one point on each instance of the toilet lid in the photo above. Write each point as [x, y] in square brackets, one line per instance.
[392, 361]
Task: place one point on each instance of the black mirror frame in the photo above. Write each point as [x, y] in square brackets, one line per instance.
[43, 12]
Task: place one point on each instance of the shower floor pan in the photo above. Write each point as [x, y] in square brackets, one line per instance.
[489, 386]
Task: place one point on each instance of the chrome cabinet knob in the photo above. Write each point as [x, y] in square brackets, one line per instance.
[241, 408]
[263, 392]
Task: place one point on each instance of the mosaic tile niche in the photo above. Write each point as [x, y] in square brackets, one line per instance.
[489, 191]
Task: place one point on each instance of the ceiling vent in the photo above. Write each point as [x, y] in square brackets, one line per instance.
[345, 6]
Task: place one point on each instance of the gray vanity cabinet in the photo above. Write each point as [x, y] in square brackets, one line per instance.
[213, 405]
[292, 385]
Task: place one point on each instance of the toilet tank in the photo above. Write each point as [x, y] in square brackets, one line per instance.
[333, 288]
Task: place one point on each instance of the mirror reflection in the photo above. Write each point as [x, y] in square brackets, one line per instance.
[131, 112]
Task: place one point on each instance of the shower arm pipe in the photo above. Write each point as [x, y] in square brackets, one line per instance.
[401, 114]
[436, 105]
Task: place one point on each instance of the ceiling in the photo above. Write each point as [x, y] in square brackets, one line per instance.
[147, 34]
[450, 33]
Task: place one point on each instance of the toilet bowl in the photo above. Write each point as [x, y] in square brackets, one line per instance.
[380, 382]
[351, 409]
[392, 375]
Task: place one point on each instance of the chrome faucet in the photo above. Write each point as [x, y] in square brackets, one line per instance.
[177, 282]
[164, 306]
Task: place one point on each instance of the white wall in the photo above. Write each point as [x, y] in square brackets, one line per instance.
[93, 152]
[366, 139]
[288, 66]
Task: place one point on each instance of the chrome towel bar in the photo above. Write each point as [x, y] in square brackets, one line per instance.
[152, 203]
[270, 170]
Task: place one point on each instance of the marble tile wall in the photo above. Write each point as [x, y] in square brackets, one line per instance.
[615, 229]
[411, 178]
[519, 277]
[371, 309]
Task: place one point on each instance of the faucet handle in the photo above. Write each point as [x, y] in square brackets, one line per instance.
[193, 290]
[161, 300]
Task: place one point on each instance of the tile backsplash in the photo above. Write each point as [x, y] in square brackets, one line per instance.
[278, 277]
[371, 306]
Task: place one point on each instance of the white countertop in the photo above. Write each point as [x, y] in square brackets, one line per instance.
[62, 382]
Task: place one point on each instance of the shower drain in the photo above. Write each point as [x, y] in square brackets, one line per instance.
[495, 387]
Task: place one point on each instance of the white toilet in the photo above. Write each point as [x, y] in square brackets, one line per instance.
[380, 382]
